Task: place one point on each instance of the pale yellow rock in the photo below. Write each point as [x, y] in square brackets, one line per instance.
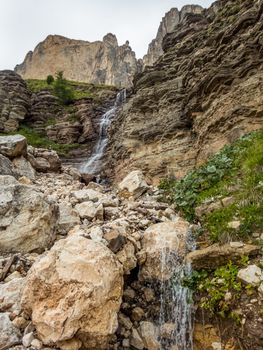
[74, 293]
[158, 241]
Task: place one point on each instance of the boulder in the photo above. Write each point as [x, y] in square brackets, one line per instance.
[10, 295]
[149, 334]
[252, 274]
[217, 255]
[87, 195]
[73, 294]
[6, 166]
[13, 146]
[27, 218]
[163, 243]
[89, 210]
[44, 160]
[23, 167]
[9, 335]
[133, 184]
[68, 218]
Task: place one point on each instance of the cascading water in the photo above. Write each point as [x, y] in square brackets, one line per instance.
[92, 165]
[175, 302]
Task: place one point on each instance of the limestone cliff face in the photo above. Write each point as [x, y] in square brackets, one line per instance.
[100, 62]
[204, 92]
[167, 25]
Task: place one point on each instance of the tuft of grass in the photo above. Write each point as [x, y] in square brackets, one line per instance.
[40, 141]
[237, 171]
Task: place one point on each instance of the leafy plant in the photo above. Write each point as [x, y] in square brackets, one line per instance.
[50, 79]
[63, 90]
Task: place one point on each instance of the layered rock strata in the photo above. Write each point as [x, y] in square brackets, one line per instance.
[167, 25]
[100, 62]
[204, 92]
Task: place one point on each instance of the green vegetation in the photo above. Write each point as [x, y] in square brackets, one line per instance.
[50, 79]
[219, 290]
[236, 171]
[36, 140]
[63, 90]
[80, 90]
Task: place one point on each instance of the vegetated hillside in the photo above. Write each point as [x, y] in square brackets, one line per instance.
[224, 198]
[205, 91]
[62, 115]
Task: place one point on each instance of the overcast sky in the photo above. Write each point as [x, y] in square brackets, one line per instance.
[24, 23]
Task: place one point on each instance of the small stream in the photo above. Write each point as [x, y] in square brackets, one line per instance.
[93, 164]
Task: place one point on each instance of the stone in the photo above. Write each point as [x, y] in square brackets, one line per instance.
[125, 321]
[252, 274]
[149, 335]
[89, 210]
[9, 335]
[134, 183]
[68, 217]
[23, 168]
[115, 240]
[27, 218]
[137, 314]
[10, 295]
[149, 294]
[127, 258]
[76, 274]
[87, 195]
[135, 340]
[13, 146]
[216, 255]
[6, 166]
[108, 63]
[168, 236]
[204, 336]
[36, 344]
[20, 322]
[235, 225]
[27, 339]
[44, 160]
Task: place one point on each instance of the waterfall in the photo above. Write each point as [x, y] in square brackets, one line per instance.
[92, 165]
[175, 303]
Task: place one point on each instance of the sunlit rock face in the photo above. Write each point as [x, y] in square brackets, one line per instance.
[99, 62]
[204, 92]
[167, 25]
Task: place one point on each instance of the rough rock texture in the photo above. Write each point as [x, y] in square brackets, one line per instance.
[14, 100]
[27, 218]
[167, 25]
[9, 335]
[100, 62]
[167, 236]
[82, 284]
[204, 92]
[134, 184]
[13, 146]
[44, 160]
[216, 255]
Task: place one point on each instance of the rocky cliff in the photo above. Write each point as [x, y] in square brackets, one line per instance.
[167, 25]
[204, 92]
[100, 62]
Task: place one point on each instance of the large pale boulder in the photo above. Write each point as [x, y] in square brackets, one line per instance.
[163, 244]
[133, 184]
[9, 335]
[73, 294]
[44, 160]
[27, 218]
[13, 146]
[90, 210]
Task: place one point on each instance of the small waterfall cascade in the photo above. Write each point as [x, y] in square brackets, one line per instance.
[92, 165]
[175, 303]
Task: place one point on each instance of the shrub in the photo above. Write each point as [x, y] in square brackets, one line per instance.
[50, 79]
[63, 90]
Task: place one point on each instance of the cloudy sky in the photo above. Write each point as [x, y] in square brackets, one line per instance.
[24, 23]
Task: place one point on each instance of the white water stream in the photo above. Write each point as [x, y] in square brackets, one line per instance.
[175, 303]
[93, 164]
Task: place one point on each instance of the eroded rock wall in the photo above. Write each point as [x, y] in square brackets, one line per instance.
[204, 92]
[100, 62]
